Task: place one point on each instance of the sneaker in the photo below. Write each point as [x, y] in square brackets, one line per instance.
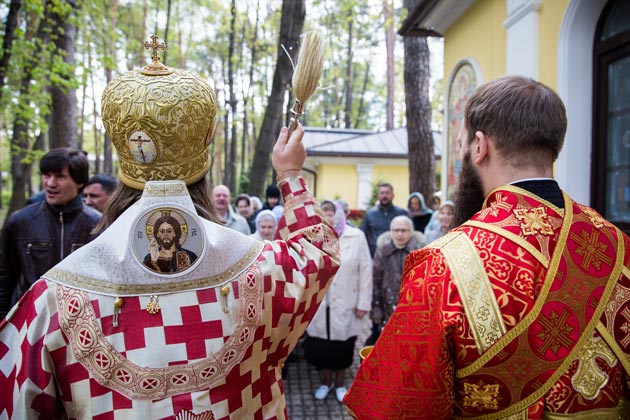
[340, 393]
[322, 392]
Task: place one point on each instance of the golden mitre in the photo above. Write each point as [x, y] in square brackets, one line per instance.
[161, 121]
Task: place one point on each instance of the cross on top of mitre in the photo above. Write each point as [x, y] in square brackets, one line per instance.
[155, 68]
[156, 46]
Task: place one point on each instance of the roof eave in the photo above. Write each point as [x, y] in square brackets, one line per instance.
[357, 155]
[433, 17]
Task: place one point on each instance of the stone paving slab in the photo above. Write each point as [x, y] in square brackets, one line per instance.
[303, 379]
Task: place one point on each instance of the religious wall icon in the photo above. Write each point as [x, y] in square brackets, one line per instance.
[167, 240]
[142, 147]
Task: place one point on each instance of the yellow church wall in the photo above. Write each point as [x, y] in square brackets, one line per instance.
[336, 181]
[549, 22]
[478, 34]
[340, 181]
[398, 176]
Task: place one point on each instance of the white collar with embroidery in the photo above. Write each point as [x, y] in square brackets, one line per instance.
[120, 262]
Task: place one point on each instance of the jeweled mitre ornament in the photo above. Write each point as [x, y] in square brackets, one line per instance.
[161, 121]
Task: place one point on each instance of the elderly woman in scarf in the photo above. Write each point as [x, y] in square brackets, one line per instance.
[266, 224]
[332, 333]
[419, 213]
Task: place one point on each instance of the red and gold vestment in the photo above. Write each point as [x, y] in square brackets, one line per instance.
[523, 312]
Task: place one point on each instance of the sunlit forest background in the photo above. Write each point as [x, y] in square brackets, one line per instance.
[57, 56]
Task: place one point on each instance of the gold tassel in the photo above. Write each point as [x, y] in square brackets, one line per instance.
[225, 291]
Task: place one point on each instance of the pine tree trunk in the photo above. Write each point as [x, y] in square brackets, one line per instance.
[19, 147]
[7, 42]
[109, 51]
[168, 22]
[420, 137]
[247, 95]
[63, 129]
[390, 42]
[291, 23]
[361, 110]
[349, 74]
[19, 139]
[230, 164]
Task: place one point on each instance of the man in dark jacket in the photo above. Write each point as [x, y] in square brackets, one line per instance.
[378, 219]
[40, 235]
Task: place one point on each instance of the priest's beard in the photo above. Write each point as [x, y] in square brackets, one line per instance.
[469, 196]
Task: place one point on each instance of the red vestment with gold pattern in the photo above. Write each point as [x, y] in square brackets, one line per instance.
[523, 312]
[206, 343]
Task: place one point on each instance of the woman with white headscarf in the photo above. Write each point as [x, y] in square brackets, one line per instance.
[332, 333]
[266, 224]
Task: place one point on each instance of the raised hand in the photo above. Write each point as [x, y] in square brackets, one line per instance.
[153, 250]
[289, 153]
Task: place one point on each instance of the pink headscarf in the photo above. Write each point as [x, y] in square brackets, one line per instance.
[340, 218]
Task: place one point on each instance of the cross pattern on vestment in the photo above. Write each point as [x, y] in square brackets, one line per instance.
[496, 206]
[589, 377]
[481, 396]
[555, 332]
[595, 218]
[533, 221]
[193, 332]
[134, 319]
[123, 375]
[233, 381]
[103, 361]
[85, 338]
[591, 249]
[625, 327]
[155, 46]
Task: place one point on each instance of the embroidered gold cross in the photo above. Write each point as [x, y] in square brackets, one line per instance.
[555, 332]
[155, 46]
[591, 249]
[493, 209]
[595, 218]
[533, 221]
[626, 327]
[589, 378]
[481, 396]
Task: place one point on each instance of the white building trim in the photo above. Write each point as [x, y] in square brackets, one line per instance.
[364, 189]
[575, 87]
[522, 50]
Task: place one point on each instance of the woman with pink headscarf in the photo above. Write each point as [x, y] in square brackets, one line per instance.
[332, 333]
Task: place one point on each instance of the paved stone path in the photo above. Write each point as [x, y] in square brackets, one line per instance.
[303, 379]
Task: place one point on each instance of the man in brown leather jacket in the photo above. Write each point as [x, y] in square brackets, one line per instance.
[40, 235]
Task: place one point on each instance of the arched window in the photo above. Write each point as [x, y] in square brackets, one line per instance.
[610, 183]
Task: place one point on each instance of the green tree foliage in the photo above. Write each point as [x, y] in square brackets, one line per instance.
[235, 49]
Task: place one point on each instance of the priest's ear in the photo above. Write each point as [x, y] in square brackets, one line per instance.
[480, 147]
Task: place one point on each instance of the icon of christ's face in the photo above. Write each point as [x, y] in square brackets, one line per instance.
[165, 236]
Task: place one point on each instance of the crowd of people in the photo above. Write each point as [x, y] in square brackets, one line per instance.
[158, 294]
